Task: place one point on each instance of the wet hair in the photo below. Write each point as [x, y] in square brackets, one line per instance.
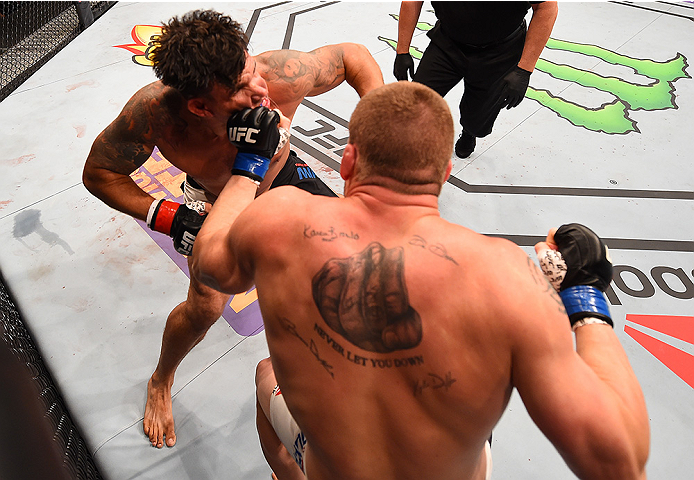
[404, 131]
[199, 49]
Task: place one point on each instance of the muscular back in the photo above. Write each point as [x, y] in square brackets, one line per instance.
[386, 334]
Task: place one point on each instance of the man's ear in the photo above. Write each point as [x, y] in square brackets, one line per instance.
[449, 169]
[349, 159]
[198, 106]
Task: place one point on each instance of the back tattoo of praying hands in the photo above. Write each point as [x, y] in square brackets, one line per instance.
[364, 299]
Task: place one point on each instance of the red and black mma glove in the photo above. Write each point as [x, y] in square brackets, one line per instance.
[580, 271]
[255, 133]
[180, 222]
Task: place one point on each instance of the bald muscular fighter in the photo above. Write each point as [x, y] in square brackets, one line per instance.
[397, 337]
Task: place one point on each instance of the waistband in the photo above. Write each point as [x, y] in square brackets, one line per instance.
[285, 174]
[191, 181]
[511, 35]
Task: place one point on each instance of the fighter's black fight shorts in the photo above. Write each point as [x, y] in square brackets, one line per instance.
[296, 172]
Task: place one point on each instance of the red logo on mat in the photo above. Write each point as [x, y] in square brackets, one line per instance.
[681, 328]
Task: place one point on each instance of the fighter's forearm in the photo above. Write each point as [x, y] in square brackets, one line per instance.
[539, 30]
[215, 262]
[117, 191]
[407, 21]
[599, 347]
[107, 170]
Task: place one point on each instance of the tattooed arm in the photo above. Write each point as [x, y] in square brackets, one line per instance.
[293, 75]
[118, 151]
[585, 400]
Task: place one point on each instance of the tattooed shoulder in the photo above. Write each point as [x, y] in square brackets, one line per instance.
[304, 72]
[541, 281]
[129, 140]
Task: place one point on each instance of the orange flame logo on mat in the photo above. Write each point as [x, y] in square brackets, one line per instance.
[143, 36]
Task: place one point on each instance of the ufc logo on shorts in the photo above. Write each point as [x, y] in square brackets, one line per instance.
[236, 134]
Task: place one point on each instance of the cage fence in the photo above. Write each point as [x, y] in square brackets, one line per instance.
[31, 33]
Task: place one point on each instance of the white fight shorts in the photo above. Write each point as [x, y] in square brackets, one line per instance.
[286, 428]
[193, 194]
[488, 456]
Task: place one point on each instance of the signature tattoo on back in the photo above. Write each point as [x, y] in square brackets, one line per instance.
[434, 381]
[364, 298]
[311, 345]
[437, 248]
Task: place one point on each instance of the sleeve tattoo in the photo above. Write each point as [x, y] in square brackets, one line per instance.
[321, 69]
[541, 281]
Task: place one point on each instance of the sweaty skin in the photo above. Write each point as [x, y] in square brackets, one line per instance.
[192, 136]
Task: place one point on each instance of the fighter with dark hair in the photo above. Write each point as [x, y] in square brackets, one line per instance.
[206, 74]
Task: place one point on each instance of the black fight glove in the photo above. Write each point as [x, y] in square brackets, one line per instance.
[403, 64]
[180, 222]
[256, 134]
[581, 271]
[515, 83]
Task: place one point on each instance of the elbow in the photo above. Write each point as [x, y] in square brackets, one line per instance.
[200, 267]
[630, 456]
[87, 179]
[617, 459]
[211, 268]
[91, 186]
[632, 465]
[361, 70]
[91, 180]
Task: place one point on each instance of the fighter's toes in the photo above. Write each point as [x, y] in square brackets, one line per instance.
[155, 437]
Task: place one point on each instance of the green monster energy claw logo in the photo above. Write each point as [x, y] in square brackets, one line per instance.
[612, 117]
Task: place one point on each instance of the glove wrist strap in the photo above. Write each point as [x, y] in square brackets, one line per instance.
[583, 301]
[251, 165]
[152, 213]
[161, 214]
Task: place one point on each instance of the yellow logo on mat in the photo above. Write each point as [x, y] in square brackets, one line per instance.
[143, 36]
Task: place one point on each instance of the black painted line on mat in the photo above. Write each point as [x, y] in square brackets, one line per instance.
[654, 10]
[528, 190]
[678, 5]
[315, 153]
[290, 24]
[531, 240]
[613, 243]
[326, 113]
[571, 191]
[254, 18]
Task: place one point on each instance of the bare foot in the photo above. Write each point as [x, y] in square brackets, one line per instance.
[158, 422]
